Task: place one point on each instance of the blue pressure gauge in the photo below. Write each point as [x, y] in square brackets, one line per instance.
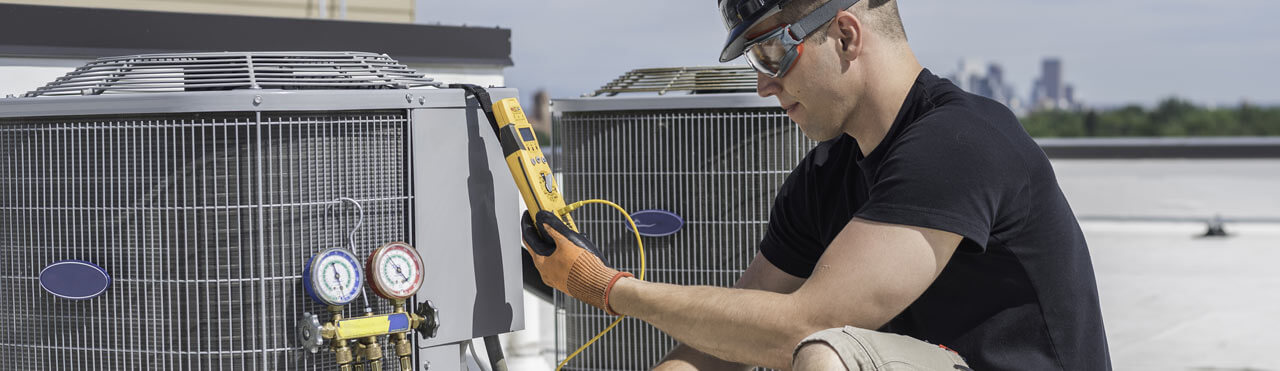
[333, 277]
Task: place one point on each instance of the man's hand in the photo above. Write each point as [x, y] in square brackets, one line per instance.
[568, 261]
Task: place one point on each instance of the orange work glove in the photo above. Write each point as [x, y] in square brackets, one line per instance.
[568, 261]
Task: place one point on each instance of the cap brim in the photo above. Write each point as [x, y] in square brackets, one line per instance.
[736, 43]
[734, 46]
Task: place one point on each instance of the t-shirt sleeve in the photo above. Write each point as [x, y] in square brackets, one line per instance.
[790, 241]
[941, 174]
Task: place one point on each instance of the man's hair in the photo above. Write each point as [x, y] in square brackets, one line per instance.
[881, 16]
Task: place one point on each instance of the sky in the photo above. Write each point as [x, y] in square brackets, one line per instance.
[1114, 52]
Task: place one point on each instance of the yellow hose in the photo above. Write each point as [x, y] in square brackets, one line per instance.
[640, 244]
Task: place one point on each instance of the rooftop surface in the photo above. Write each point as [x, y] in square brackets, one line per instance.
[1173, 300]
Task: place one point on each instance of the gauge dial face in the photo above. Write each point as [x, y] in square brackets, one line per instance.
[395, 271]
[335, 277]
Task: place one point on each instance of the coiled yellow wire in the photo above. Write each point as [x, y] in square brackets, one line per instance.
[640, 244]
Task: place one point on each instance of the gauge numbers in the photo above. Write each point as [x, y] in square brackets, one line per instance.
[395, 271]
[333, 277]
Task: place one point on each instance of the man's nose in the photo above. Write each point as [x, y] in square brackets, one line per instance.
[767, 86]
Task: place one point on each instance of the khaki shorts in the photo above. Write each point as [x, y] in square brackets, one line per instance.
[866, 350]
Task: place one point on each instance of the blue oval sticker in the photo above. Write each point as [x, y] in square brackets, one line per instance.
[74, 279]
[657, 223]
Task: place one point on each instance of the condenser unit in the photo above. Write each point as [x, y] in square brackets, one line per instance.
[198, 185]
[694, 153]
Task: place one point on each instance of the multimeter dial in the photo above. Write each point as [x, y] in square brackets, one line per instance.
[333, 277]
[395, 271]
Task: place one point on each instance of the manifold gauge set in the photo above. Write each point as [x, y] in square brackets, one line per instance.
[335, 277]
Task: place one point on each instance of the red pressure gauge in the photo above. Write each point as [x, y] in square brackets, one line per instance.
[395, 271]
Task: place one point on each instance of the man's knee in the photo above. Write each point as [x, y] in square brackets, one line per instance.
[855, 349]
[817, 356]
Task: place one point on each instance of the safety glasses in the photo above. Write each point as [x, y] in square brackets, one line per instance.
[774, 51]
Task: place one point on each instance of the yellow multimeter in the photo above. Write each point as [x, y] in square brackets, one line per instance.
[528, 165]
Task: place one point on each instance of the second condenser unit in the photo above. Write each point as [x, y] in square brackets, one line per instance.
[697, 157]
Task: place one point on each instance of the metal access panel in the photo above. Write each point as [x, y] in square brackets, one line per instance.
[203, 207]
[715, 160]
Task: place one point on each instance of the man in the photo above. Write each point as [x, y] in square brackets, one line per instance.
[926, 212]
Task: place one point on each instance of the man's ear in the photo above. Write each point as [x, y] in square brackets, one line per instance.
[847, 29]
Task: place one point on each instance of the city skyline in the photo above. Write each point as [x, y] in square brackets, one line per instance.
[1051, 89]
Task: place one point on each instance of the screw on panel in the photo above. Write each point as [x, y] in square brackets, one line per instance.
[257, 99]
[426, 365]
[422, 100]
[408, 98]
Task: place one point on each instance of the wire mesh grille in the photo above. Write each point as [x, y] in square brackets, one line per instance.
[719, 170]
[696, 80]
[235, 70]
[204, 222]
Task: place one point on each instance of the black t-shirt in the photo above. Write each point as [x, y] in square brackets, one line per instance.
[1019, 294]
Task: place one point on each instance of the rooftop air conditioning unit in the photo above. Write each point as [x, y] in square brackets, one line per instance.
[694, 153]
[198, 185]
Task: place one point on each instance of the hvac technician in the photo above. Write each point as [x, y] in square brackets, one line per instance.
[925, 211]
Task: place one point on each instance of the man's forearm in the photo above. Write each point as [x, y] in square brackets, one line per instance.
[747, 326]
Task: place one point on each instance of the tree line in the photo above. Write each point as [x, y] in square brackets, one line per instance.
[1172, 117]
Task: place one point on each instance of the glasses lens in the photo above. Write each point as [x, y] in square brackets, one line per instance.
[767, 55]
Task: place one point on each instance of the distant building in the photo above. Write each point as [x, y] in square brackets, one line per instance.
[987, 81]
[540, 112]
[1049, 91]
[1051, 77]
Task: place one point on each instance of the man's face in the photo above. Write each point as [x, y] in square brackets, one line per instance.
[809, 90]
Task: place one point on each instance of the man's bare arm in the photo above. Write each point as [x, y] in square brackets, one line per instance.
[869, 274]
[760, 275]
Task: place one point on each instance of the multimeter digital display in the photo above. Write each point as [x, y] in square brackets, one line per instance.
[527, 162]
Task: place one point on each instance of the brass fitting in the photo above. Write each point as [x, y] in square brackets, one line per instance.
[372, 350]
[404, 350]
[403, 347]
[342, 354]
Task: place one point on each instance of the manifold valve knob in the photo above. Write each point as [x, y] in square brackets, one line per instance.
[430, 319]
[309, 333]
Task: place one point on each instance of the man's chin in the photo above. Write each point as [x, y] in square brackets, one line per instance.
[820, 135]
